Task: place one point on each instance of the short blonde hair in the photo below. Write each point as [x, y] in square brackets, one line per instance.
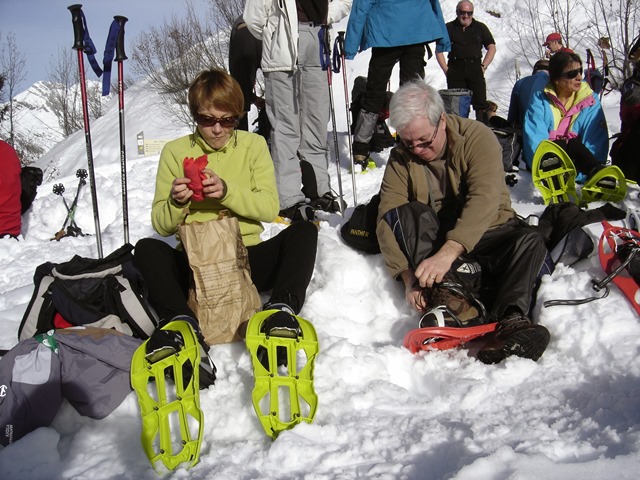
[217, 89]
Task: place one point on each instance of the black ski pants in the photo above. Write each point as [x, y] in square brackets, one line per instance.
[511, 257]
[584, 161]
[283, 264]
[468, 73]
[383, 59]
[245, 54]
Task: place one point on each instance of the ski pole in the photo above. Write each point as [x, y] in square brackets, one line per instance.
[339, 47]
[120, 58]
[81, 39]
[325, 60]
[58, 189]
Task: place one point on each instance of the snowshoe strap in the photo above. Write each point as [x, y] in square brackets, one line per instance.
[607, 185]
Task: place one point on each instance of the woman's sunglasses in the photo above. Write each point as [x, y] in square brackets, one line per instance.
[225, 122]
[571, 74]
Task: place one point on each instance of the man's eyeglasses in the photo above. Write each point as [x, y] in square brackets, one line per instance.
[571, 74]
[225, 122]
[424, 145]
[463, 13]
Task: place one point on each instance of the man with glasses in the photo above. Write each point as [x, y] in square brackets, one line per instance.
[447, 230]
[465, 67]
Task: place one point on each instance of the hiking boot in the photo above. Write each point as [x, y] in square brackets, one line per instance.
[328, 203]
[279, 324]
[515, 335]
[300, 212]
[454, 307]
[361, 161]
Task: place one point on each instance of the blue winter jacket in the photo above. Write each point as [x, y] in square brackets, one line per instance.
[393, 23]
[546, 119]
[521, 95]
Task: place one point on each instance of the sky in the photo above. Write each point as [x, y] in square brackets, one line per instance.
[41, 27]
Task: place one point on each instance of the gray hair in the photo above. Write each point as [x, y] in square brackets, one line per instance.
[415, 100]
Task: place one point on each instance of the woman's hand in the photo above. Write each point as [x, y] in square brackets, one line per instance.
[180, 191]
[213, 186]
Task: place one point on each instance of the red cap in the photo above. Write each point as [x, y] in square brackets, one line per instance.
[555, 36]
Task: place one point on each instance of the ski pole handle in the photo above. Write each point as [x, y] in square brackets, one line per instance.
[120, 55]
[340, 42]
[78, 29]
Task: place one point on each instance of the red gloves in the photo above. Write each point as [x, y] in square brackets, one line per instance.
[193, 171]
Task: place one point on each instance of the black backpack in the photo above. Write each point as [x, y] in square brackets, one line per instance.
[107, 293]
[359, 231]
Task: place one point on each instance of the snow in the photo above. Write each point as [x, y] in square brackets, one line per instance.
[383, 413]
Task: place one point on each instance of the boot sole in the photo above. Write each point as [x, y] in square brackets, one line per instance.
[529, 342]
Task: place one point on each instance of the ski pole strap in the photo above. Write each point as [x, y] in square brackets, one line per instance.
[337, 56]
[86, 45]
[109, 52]
[325, 47]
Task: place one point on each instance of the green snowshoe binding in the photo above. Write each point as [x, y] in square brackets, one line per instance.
[554, 174]
[165, 376]
[607, 185]
[283, 349]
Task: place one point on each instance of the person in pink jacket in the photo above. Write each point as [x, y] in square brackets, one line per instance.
[10, 190]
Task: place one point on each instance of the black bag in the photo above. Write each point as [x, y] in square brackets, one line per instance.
[30, 180]
[106, 293]
[359, 231]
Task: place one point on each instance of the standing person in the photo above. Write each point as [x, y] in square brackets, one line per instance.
[10, 190]
[240, 179]
[297, 98]
[245, 52]
[445, 210]
[465, 67]
[395, 35]
[524, 89]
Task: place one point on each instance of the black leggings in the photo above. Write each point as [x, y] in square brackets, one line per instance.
[580, 155]
[283, 264]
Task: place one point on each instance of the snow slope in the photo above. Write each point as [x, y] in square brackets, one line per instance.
[383, 413]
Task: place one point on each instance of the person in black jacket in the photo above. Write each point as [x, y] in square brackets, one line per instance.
[465, 67]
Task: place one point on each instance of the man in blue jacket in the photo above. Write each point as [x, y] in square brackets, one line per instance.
[524, 89]
[395, 35]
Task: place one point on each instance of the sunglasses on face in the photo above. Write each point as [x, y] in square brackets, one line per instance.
[225, 122]
[571, 74]
[463, 13]
[424, 145]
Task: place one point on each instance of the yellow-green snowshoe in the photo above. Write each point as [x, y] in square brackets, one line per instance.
[172, 421]
[607, 185]
[554, 174]
[283, 349]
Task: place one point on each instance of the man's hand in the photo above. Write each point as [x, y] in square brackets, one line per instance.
[413, 292]
[433, 269]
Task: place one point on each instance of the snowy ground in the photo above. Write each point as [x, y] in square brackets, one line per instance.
[383, 412]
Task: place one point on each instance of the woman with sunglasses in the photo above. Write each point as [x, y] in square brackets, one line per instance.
[568, 113]
[238, 176]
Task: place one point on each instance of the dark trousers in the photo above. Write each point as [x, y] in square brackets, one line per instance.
[468, 73]
[245, 54]
[383, 59]
[283, 264]
[511, 257]
[580, 155]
